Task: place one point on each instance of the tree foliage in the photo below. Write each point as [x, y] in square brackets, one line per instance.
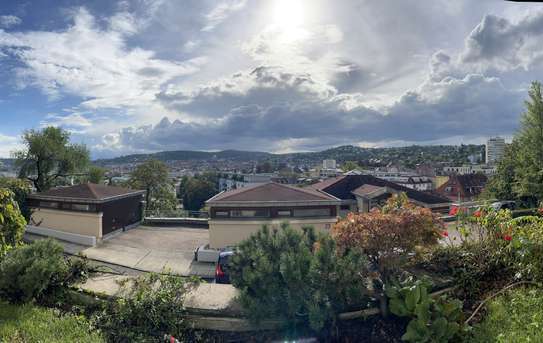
[12, 222]
[196, 190]
[297, 276]
[48, 156]
[520, 172]
[349, 165]
[20, 189]
[96, 174]
[529, 164]
[152, 176]
[388, 236]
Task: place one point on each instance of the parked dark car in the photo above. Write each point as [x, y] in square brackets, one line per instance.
[222, 270]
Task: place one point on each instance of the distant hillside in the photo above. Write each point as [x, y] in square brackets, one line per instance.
[188, 155]
[408, 156]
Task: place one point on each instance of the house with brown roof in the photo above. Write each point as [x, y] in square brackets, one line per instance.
[84, 213]
[465, 187]
[360, 193]
[236, 214]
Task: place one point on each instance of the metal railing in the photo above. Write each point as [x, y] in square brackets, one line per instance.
[176, 214]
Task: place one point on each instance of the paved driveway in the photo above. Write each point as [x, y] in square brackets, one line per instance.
[155, 249]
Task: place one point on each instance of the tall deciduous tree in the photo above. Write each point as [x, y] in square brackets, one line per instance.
[196, 191]
[500, 185]
[529, 166]
[152, 176]
[48, 156]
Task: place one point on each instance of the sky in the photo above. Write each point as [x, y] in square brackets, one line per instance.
[271, 75]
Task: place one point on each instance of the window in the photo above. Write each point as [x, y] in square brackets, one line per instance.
[345, 207]
[284, 213]
[81, 207]
[49, 204]
[221, 214]
[312, 212]
[260, 213]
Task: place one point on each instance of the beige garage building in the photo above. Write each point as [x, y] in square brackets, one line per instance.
[84, 211]
[236, 214]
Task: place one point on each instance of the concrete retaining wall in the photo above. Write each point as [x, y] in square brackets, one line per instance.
[65, 236]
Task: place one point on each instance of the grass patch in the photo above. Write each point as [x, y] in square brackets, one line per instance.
[30, 323]
[514, 317]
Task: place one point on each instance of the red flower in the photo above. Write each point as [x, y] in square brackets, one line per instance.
[445, 234]
[507, 238]
[477, 213]
[540, 210]
[453, 211]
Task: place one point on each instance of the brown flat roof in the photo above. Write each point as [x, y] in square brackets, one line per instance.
[271, 191]
[89, 192]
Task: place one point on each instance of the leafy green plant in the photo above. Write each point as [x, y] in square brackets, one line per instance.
[297, 276]
[516, 316]
[12, 222]
[21, 189]
[149, 307]
[433, 320]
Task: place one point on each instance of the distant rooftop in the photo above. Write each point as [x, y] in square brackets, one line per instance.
[271, 191]
[87, 192]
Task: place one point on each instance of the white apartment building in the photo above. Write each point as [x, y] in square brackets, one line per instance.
[495, 147]
[329, 164]
[471, 169]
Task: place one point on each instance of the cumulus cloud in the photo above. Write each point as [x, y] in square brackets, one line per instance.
[497, 42]
[93, 63]
[221, 12]
[337, 76]
[9, 144]
[7, 21]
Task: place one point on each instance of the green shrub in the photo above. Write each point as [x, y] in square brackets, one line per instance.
[475, 267]
[433, 320]
[149, 307]
[297, 276]
[514, 317]
[33, 272]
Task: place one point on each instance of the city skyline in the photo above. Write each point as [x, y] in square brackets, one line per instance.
[278, 76]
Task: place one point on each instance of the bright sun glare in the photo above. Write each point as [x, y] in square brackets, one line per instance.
[288, 14]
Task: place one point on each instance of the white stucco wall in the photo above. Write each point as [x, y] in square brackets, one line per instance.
[82, 223]
[223, 232]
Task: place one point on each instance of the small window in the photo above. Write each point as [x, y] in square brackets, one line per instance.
[312, 212]
[221, 214]
[261, 213]
[284, 213]
[49, 204]
[81, 207]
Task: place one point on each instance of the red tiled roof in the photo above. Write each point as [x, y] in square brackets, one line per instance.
[86, 191]
[271, 191]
